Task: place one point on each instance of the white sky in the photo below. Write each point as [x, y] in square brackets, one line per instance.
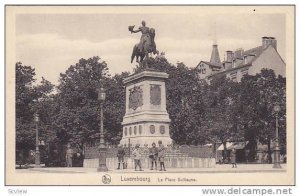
[52, 42]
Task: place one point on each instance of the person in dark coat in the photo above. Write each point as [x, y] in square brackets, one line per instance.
[153, 156]
[161, 156]
[120, 155]
[233, 158]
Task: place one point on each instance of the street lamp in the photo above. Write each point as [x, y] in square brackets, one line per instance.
[102, 148]
[277, 149]
[37, 150]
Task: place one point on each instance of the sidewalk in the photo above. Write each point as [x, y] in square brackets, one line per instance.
[226, 168]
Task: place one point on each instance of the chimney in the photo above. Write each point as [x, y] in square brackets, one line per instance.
[215, 57]
[239, 53]
[229, 55]
[266, 41]
[273, 42]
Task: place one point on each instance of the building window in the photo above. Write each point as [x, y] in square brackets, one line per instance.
[130, 130]
[140, 129]
[152, 129]
[204, 70]
[134, 130]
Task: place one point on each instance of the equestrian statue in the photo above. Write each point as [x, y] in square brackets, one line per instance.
[146, 45]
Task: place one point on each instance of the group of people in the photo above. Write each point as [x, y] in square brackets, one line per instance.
[156, 154]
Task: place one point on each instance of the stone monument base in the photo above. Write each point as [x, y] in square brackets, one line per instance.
[146, 119]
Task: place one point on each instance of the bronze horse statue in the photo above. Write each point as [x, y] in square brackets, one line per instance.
[145, 47]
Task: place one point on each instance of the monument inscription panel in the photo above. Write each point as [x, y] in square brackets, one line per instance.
[155, 94]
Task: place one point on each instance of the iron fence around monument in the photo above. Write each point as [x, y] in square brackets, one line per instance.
[179, 151]
[175, 157]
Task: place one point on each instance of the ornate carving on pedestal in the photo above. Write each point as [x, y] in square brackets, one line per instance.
[134, 130]
[162, 129]
[152, 129]
[155, 94]
[135, 98]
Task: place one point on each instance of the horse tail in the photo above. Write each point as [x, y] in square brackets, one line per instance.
[134, 52]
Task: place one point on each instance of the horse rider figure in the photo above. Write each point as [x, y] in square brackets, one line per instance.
[146, 44]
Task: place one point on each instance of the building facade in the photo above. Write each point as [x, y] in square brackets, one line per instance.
[241, 62]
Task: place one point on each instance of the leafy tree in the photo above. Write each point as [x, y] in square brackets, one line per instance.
[26, 105]
[221, 119]
[244, 111]
[25, 93]
[78, 118]
[259, 94]
[185, 105]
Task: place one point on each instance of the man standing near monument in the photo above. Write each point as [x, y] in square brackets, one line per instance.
[161, 156]
[153, 156]
[120, 155]
[137, 157]
[69, 155]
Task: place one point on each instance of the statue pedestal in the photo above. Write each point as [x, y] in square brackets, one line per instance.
[146, 119]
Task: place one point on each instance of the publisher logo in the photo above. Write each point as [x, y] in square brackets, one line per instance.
[106, 179]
